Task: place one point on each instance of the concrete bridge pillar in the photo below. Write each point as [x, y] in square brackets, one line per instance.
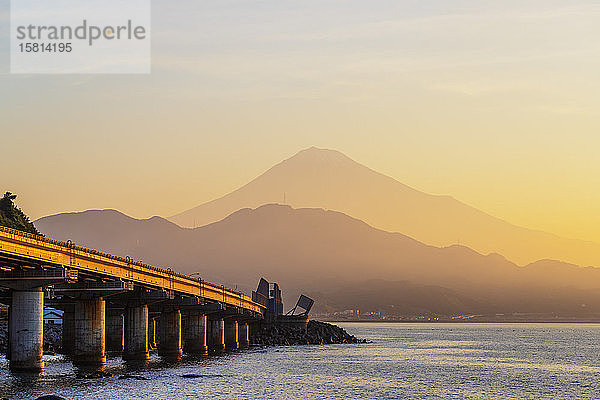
[151, 333]
[90, 325]
[68, 330]
[231, 334]
[26, 330]
[194, 333]
[114, 331]
[8, 351]
[244, 335]
[216, 335]
[136, 333]
[170, 334]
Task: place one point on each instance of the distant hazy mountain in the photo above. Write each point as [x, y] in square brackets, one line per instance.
[342, 260]
[330, 180]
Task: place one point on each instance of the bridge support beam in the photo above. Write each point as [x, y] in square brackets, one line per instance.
[136, 333]
[194, 333]
[68, 330]
[8, 350]
[231, 334]
[243, 335]
[26, 330]
[151, 333]
[216, 334]
[90, 325]
[115, 331]
[170, 334]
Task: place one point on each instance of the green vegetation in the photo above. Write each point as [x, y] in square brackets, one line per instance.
[11, 216]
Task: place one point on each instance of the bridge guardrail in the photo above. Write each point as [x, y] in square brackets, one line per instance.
[69, 249]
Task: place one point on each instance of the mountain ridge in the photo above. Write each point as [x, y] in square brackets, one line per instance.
[293, 246]
[328, 179]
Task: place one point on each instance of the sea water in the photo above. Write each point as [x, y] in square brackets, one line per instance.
[401, 361]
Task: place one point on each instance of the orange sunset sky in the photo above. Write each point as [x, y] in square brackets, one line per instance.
[494, 103]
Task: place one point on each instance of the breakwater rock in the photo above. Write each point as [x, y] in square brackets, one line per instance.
[315, 333]
[262, 335]
[3, 337]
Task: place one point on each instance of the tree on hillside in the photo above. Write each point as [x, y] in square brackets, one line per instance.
[12, 217]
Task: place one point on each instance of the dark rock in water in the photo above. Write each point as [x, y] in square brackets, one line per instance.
[136, 377]
[315, 333]
[51, 397]
[52, 338]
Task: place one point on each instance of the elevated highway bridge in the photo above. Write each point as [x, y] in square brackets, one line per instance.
[112, 303]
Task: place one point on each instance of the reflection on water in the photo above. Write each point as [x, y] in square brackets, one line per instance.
[412, 361]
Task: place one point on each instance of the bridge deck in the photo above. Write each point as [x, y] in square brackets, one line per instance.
[25, 247]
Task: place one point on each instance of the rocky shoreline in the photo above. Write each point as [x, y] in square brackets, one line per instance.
[262, 335]
[316, 333]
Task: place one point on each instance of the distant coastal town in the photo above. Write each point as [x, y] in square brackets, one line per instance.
[356, 315]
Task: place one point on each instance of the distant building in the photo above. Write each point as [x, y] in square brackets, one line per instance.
[53, 316]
